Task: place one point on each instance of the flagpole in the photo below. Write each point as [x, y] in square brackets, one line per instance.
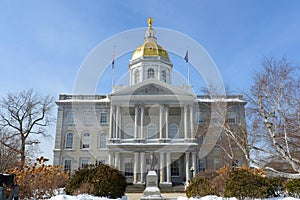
[113, 69]
[186, 58]
[113, 75]
[188, 73]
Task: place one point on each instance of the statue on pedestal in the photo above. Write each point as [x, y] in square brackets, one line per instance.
[153, 161]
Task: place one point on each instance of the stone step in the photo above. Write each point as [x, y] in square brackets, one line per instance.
[140, 188]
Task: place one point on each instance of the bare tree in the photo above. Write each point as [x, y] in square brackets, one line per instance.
[273, 120]
[223, 111]
[274, 111]
[8, 157]
[23, 115]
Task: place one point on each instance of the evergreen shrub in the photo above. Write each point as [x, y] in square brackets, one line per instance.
[293, 187]
[245, 183]
[98, 180]
[199, 187]
[202, 185]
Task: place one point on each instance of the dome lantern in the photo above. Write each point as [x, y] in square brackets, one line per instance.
[150, 60]
[150, 46]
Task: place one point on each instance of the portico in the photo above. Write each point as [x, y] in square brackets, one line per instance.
[152, 115]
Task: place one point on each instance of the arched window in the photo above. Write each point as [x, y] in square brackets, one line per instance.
[86, 140]
[128, 131]
[150, 73]
[137, 76]
[69, 141]
[164, 76]
[173, 130]
[102, 140]
[151, 131]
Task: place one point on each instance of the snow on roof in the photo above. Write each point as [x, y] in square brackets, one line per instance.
[221, 100]
[104, 100]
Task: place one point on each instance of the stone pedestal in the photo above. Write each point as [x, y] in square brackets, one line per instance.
[151, 192]
[165, 185]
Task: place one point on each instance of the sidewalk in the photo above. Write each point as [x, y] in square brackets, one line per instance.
[137, 196]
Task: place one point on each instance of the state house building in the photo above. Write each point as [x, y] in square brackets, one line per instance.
[149, 118]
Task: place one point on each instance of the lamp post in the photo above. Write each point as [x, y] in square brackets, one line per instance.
[192, 172]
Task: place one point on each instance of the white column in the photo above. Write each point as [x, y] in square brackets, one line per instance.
[136, 112]
[142, 121]
[117, 121]
[185, 123]
[168, 155]
[162, 162]
[135, 167]
[117, 160]
[142, 154]
[110, 159]
[167, 121]
[131, 77]
[111, 122]
[160, 121]
[192, 121]
[194, 154]
[187, 170]
[120, 123]
[158, 73]
[142, 74]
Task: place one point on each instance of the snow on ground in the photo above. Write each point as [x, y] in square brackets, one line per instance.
[82, 197]
[210, 197]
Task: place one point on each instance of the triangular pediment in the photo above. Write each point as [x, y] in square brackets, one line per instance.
[153, 89]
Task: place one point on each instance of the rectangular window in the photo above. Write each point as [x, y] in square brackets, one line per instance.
[129, 169]
[103, 118]
[68, 166]
[231, 118]
[202, 165]
[87, 119]
[70, 118]
[200, 118]
[84, 162]
[175, 168]
[102, 161]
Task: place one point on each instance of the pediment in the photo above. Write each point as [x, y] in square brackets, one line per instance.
[152, 89]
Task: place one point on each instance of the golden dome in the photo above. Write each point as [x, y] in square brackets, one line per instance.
[150, 48]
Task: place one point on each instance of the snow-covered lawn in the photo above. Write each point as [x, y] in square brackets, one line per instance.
[82, 197]
[210, 197]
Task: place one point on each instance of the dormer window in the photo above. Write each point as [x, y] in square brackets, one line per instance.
[150, 73]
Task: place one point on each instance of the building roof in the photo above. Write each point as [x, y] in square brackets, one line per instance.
[150, 48]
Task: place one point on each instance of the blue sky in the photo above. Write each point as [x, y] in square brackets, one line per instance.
[43, 43]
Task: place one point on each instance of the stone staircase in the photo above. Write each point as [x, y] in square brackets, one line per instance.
[140, 188]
